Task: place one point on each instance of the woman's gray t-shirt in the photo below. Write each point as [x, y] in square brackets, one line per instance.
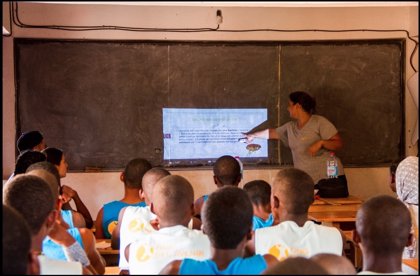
[299, 140]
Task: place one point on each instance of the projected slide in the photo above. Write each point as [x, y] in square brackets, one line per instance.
[191, 133]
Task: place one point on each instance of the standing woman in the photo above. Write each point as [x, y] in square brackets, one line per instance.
[56, 156]
[311, 139]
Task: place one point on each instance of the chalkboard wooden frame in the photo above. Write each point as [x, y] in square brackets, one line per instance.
[173, 72]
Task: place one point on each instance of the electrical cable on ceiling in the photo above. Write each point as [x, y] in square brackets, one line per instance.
[15, 17]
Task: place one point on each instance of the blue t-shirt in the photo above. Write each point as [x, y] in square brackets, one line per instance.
[258, 222]
[54, 250]
[67, 216]
[239, 266]
[110, 215]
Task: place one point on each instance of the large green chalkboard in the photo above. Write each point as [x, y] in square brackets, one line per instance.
[101, 101]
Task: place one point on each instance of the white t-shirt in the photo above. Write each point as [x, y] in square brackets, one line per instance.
[152, 252]
[58, 267]
[135, 223]
[299, 140]
[412, 251]
[287, 239]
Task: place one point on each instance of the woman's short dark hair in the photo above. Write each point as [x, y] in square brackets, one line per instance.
[307, 102]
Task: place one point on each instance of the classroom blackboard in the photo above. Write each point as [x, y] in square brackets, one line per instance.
[358, 86]
[101, 101]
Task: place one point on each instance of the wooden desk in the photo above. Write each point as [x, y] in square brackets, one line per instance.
[350, 203]
[341, 200]
[412, 263]
[334, 217]
[110, 255]
[340, 213]
[112, 270]
[335, 211]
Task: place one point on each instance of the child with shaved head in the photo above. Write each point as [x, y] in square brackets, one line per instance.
[334, 264]
[62, 237]
[132, 176]
[134, 221]
[296, 266]
[259, 193]
[227, 220]
[226, 172]
[35, 200]
[291, 195]
[172, 202]
[383, 226]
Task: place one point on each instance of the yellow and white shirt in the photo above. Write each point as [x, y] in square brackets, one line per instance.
[287, 239]
[151, 253]
[135, 223]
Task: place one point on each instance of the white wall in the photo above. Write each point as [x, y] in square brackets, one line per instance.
[97, 188]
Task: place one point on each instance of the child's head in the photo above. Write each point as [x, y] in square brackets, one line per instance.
[134, 172]
[33, 198]
[173, 200]
[27, 158]
[296, 266]
[259, 192]
[227, 171]
[47, 166]
[150, 178]
[56, 156]
[383, 226]
[334, 264]
[16, 243]
[227, 217]
[293, 189]
[31, 140]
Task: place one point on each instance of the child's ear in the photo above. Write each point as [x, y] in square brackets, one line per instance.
[410, 240]
[152, 207]
[122, 177]
[249, 235]
[192, 210]
[275, 203]
[33, 263]
[356, 237]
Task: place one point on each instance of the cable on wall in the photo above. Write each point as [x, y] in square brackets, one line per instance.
[18, 22]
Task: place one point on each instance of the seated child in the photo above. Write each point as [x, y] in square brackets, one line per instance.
[136, 221]
[292, 193]
[259, 193]
[31, 140]
[382, 238]
[56, 156]
[70, 217]
[107, 217]
[227, 171]
[173, 204]
[227, 220]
